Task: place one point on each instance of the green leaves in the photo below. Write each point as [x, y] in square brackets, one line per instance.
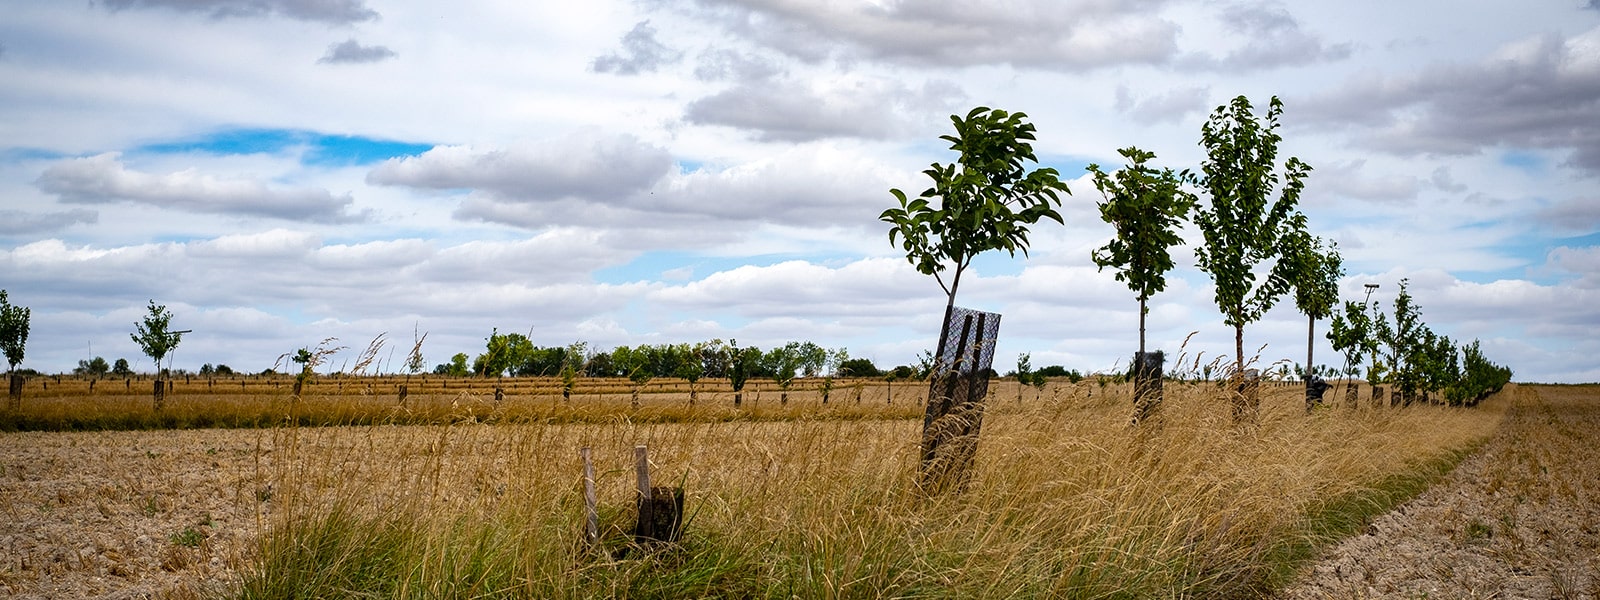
[1243, 224]
[154, 336]
[13, 330]
[984, 201]
[1313, 272]
[1146, 207]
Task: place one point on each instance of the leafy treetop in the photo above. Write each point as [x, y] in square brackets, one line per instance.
[984, 201]
[13, 330]
[154, 336]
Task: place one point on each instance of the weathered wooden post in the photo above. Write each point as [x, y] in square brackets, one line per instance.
[160, 393]
[1377, 396]
[954, 414]
[499, 395]
[401, 392]
[660, 508]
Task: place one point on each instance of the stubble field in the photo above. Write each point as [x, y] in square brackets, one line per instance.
[783, 500]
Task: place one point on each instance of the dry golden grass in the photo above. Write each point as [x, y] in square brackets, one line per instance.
[784, 500]
[1065, 501]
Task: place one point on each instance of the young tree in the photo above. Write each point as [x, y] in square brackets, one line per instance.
[986, 200]
[1403, 340]
[1353, 334]
[1314, 273]
[784, 362]
[155, 338]
[1146, 207]
[14, 343]
[1243, 224]
[740, 363]
[690, 366]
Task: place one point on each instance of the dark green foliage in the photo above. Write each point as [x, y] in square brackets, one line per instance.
[154, 335]
[986, 200]
[1146, 207]
[13, 330]
[98, 367]
[859, 367]
[1243, 224]
[1353, 333]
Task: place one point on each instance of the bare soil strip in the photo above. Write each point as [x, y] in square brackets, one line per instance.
[138, 514]
[1519, 519]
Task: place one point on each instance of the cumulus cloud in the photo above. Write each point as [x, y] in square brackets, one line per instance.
[641, 53]
[1167, 107]
[1066, 36]
[103, 179]
[791, 111]
[624, 183]
[1542, 92]
[332, 12]
[721, 64]
[352, 52]
[1273, 38]
[1577, 215]
[1352, 179]
[1582, 261]
[868, 287]
[581, 166]
[16, 222]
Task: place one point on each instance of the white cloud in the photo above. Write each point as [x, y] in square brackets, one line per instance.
[103, 178]
[641, 53]
[332, 12]
[14, 222]
[1540, 92]
[583, 165]
[1070, 36]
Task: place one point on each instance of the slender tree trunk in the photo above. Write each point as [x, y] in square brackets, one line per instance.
[1141, 325]
[1311, 327]
[1244, 393]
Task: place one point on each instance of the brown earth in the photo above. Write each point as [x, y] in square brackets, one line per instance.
[151, 514]
[174, 514]
[1518, 519]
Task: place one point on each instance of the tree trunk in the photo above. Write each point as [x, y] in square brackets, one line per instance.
[14, 390]
[1246, 394]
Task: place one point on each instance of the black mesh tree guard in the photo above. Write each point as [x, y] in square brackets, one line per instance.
[1147, 392]
[956, 391]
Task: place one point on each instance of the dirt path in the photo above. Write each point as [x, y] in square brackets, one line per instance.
[1519, 519]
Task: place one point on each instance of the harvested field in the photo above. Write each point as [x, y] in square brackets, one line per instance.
[1519, 519]
[1066, 500]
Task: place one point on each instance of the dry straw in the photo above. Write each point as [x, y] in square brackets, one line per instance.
[1067, 500]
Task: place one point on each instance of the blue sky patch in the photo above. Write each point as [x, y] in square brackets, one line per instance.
[16, 155]
[1527, 161]
[318, 149]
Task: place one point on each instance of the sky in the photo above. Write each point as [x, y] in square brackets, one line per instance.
[281, 172]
